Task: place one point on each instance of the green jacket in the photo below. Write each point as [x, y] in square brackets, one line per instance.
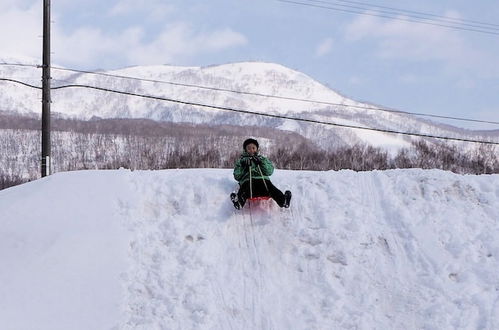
[241, 172]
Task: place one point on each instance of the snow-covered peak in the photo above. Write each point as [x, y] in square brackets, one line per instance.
[19, 59]
[250, 77]
[241, 86]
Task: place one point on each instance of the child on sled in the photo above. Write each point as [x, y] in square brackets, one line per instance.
[252, 171]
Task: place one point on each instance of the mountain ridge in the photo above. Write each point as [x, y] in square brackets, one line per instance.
[250, 78]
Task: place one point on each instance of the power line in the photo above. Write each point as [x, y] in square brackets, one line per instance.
[413, 20]
[20, 82]
[370, 108]
[277, 96]
[412, 14]
[271, 115]
[22, 64]
[393, 11]
[405, 11]
[255, 112]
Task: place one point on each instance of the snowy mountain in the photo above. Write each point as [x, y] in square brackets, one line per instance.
[402, 249]
[247, 77]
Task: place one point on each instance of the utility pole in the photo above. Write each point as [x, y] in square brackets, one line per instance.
[46, 90]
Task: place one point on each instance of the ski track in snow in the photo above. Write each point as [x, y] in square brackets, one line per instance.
[197, 263]
[164, 254]
[403, 249]
[366, 257]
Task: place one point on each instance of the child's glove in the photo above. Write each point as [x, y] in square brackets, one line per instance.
[246, 162]
[256, 160]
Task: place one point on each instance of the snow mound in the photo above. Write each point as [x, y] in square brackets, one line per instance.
[166, 250]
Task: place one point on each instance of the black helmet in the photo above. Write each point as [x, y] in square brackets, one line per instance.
[249, 141]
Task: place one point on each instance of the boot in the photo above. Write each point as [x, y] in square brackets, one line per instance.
[287, 198]
[235, 200]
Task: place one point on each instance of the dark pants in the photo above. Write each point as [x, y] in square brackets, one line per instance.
[258, 188]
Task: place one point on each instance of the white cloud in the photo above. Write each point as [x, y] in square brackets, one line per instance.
[405, 41]
[324, 47]
[176, 43]
[89, 46]
[399, 39]
[153, 9]
[122, 8]
[22, 30]
[16, 4]
[92, 46]
[180, 40]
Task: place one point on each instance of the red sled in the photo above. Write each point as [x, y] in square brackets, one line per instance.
[259, 198]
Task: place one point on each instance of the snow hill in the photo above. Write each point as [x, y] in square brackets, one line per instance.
[247, 77]
[401, 249]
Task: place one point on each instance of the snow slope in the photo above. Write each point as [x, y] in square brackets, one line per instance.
[395, 249]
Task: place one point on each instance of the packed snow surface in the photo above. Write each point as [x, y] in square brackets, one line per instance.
[402, 249]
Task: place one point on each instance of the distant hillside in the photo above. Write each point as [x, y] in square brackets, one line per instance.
[252, 79]
[147, 144]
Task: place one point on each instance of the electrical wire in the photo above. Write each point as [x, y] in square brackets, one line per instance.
[20, 82]
[418, 13]
[22, 64]
[410, 18]
[399, 18]
[253, 112]
[370, 108]
[271, 115]
[411, 14]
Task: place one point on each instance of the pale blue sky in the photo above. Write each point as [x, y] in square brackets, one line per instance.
[407, 66]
